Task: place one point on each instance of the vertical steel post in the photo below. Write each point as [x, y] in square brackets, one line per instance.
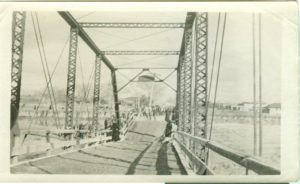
[181, 93]
[177, 96]
[96, 98]
[116, 98]
[18, 30]
[188, 69]
[70, 94]
[200, 90]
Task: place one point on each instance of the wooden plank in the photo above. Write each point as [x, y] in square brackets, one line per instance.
[194, 160]
[30, 149]
[186, 166]
[106, 138]
[63, 131]
[64, 143]
[89, 140]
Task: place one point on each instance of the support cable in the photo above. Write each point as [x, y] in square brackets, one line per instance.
[213, 65]
[47, 67]
[141, 60]
[42, 61]
[85, 15]
[254, 87]
[139, 38]
[44, 92]
[218, 74]
[82, 77]
[260, 89]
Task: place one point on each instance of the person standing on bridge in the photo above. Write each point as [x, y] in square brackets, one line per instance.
[115, 130]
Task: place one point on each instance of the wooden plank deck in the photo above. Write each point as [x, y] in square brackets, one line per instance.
[140, 153]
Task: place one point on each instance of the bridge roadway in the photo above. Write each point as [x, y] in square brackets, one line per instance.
[140, 153]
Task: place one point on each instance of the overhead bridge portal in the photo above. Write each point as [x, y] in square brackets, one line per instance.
[127, 143]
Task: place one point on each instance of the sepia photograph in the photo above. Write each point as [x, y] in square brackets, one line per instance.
[154, 93]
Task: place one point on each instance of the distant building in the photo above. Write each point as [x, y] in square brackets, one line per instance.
[248, 106]
[273, 109]
[245, 106]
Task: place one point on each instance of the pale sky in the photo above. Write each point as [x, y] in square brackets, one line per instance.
[235, 84]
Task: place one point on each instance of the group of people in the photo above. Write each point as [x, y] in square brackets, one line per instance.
[150, 112]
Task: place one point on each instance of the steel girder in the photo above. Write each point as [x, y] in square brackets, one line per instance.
[18, 30]
[181, 67]
[129, 52]
[96, 98]
[115, 93]
[130, 25]
[84, 36]
[181, 94]
[200, 90]
[70, 97]
[201, 74]
[188, 72]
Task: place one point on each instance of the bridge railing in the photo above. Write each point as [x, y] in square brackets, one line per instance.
[248, 162]
[66, 139]
[127, 123]
[58, 139]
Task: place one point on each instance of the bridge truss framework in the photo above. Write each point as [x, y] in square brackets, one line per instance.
[191, 99]
[191, 93]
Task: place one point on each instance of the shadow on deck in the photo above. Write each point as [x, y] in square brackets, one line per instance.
[141, 153]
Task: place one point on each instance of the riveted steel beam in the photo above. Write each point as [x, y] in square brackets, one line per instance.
[180, 89]
[201, 73]
[146, 69]
[115, 93]
[181, 68]
[96, 98]
[70, 97]
[85, 37]
[127, 52]
[18, 30]
[130, 25]
[186, 52]
[188, 70]
[200, 90]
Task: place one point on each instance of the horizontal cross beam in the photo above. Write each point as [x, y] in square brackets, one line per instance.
[127, 52]
[84, 36]
[145, 69]
[130, 25]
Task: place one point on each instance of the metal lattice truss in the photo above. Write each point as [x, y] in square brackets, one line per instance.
[156, 78]
[192, 81]
[188, 70]
[71, 78]
[181, 93]
[201, 73]
[130, 25]
[96, 98]
[18, 29]
[127, 52]
[200, 95]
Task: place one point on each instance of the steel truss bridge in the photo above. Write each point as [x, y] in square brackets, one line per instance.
[191, 141]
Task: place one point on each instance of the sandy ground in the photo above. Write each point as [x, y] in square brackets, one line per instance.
[140, 153]
[240, 137]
